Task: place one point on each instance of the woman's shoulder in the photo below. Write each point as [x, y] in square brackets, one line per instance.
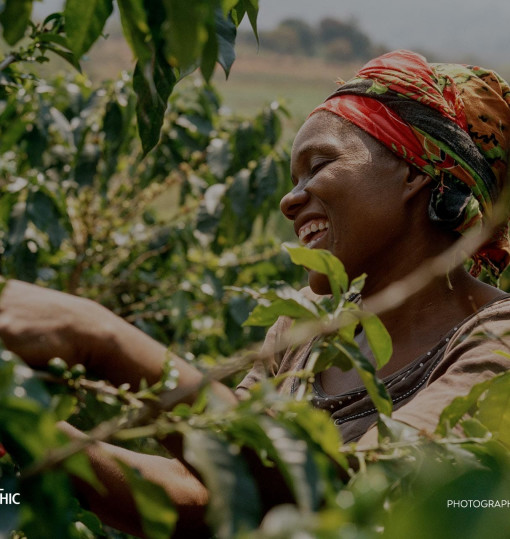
[496, 311]
[481, 334]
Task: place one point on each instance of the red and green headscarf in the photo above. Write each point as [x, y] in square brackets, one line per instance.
[449, 120]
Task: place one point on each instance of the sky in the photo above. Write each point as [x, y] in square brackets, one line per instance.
[451, 29]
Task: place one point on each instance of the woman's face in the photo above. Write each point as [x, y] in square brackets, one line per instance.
[347, 197]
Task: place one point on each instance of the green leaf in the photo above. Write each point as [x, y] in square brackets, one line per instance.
[378, 338]
[239, 193]
[473, 428]
[252, 8]
[226, 35]
[153, 85]
[317, 426]
[494, 408]
[136, 30]
[85, 22]
[228, 5]
[324, 262]
[187, 31]
[460, 406]
[153, 504]
[219, 158]
[274, 440]
[209, 54]
[43, 211]
[15, 18]
[295, 462]
[395, 430]
[78, 465]
[234, 500]
[376, 389]
[63, 406]
[69, 57]
[266, 315]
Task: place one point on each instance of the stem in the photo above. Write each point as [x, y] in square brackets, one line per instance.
[7, 61]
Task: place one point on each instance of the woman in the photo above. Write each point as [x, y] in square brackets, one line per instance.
[390, 169]
[386, 174]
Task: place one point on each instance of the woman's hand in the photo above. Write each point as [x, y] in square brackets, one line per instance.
[39, 324]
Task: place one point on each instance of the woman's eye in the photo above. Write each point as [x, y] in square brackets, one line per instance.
[317, 166]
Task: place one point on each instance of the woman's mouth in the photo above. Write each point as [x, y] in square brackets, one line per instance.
[312, 231]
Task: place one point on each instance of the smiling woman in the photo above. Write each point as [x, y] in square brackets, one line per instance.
[394, 166]
[387, 173]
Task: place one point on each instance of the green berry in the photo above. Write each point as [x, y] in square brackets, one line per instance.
[57, 366]
[77, 371]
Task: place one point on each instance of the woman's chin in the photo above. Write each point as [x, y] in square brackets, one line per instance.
[319, 283]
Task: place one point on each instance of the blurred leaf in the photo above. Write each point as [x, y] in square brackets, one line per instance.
[45, 214]
[234, 499]
[295, 462]
[494, 408]
[324, 262]
[87, 161]
[239, 193]
[460, 406]
[251, 7]
[209, 53]
[186, 32]
[317, 426]
[136, 30]
[396, 431]
[66, 55]
[49, 514]
[473, 428]
[378, 338]
[153, 504]
[63, 406]
[15, 18]
[153, 85]
[219, 157]
[266, 181]
[376, 389]
[85, 22]
[78, 465]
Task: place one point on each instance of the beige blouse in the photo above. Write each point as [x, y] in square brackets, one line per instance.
[420, 391]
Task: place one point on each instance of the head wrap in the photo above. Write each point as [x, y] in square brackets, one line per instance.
[451, 121]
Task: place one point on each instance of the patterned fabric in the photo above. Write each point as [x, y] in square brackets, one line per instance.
[449, 120]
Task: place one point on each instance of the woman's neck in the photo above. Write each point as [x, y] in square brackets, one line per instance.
[424, 318]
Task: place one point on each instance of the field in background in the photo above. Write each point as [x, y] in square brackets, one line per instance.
[256, 79]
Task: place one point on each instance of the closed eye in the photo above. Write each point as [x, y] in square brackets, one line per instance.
[318, 166]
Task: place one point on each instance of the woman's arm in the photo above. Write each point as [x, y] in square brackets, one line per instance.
[39, 324]
[116, 506]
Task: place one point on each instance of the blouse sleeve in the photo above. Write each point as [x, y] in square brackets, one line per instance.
[272, 357]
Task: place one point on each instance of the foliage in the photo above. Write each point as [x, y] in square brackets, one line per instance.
[74, 217]
[167, 241]
[168, 38]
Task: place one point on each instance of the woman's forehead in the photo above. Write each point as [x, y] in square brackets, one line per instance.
[324, 131]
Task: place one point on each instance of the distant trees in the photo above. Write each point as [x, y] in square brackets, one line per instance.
[331, 38]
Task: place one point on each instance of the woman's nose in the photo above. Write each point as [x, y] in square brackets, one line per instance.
[293, 201]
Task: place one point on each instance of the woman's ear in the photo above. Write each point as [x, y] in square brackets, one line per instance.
[414, 182]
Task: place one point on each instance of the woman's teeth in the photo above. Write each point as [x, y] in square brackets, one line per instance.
[307, 232]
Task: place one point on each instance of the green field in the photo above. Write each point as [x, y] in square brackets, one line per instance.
[256, 79]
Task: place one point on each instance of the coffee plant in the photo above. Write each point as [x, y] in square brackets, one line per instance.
[183, 239]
